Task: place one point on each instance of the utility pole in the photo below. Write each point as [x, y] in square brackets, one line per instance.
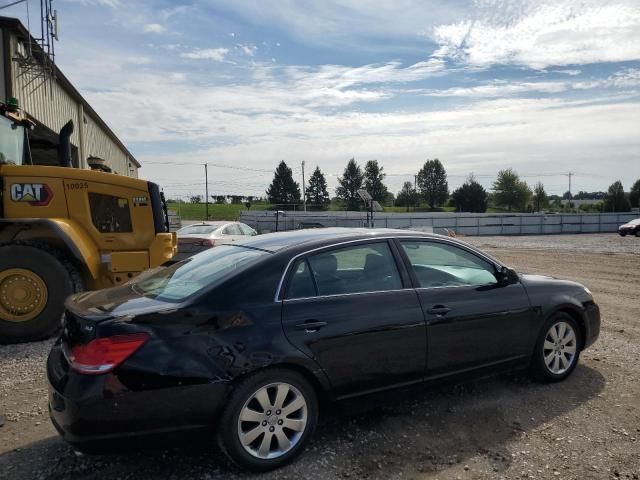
[570, 174]
[304, 190]
[206, 193]
[415, 182]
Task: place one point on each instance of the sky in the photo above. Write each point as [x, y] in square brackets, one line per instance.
[546, 88]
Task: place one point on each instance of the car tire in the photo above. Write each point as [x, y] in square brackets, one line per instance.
[637, 232]
[623, 234]
[557, 349]
[268, 420]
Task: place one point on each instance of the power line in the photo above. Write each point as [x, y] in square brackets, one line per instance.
[217, 165]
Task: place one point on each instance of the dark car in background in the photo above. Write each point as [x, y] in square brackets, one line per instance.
[244, 340]
[630, 228]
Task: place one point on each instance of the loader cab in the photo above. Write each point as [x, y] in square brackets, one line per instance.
[13, 142]
[25, 142]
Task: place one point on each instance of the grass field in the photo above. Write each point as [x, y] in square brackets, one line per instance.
[196, 211]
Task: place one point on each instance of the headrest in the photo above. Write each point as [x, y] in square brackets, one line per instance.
[325, 265]
[375, 264]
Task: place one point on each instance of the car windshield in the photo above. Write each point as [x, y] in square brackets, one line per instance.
[11, 142]
[198, 229]
[179, 281]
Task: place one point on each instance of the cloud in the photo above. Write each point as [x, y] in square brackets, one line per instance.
[215, 54]
[154, 28]
[539, 35]
[626, 78]
[570, 72]
[249, 50]
[482, 138]
[501, 89]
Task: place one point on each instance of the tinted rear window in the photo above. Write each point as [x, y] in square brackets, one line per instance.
[186, 278]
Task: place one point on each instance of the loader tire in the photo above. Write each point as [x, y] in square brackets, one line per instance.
[35, 280]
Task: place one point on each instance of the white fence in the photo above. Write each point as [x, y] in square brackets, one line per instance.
[461, 223]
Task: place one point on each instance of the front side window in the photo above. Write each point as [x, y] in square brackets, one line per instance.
[361, 268]
[11, 142]
[442, 265]
[110, 214]
[179, 281]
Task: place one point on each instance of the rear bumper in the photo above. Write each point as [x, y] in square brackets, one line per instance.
[592, 323]
[91, 408]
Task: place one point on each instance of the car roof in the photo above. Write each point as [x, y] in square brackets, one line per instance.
[317, 237]
[208, 224]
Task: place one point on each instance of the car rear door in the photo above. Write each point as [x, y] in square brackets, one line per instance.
[225, 235]
[352, 310]
[472, 318]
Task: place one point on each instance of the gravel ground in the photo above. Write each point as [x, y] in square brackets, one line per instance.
[503, 427]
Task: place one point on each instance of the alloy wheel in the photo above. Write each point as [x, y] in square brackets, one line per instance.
[272, 421]
[559, 348]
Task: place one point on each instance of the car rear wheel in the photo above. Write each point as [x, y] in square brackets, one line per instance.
[637, 232]
[557, 349]
[269, 419]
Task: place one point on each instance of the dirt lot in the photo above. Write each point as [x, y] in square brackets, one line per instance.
[505, 427]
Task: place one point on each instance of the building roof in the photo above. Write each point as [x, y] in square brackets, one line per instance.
[16, 26]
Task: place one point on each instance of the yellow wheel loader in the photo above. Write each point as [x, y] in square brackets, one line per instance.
[65, 230]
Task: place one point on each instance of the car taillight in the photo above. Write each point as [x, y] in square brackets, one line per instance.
[104, 354]
[206, 243]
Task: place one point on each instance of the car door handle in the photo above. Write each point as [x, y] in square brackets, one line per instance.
[311, 326]
[439, 310]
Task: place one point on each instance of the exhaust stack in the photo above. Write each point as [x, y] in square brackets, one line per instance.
[64, 146]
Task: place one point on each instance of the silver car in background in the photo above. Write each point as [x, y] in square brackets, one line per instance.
[198, 237]
[630, 228]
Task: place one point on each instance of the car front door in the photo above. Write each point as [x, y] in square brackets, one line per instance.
[473, 319]
[348, 309]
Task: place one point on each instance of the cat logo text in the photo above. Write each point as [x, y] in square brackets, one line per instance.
[35, 194]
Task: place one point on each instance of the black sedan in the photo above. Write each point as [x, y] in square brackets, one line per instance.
[245, 339]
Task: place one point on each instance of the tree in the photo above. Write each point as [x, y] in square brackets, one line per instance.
[407, 197]
[219, 199]
[470, 197]
[283, 190]
[616, 200]
[432, 182]
[634, 194]
[540, 198]
[317, 194]
[567, 195]
[349, 184]
[510, 191]
[195, 199]
[373, 177]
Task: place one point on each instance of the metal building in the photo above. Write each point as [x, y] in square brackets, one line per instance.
[51, 101]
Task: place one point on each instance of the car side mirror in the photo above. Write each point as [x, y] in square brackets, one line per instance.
[506, 275]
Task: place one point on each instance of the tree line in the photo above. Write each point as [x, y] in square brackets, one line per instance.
[431, 188]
